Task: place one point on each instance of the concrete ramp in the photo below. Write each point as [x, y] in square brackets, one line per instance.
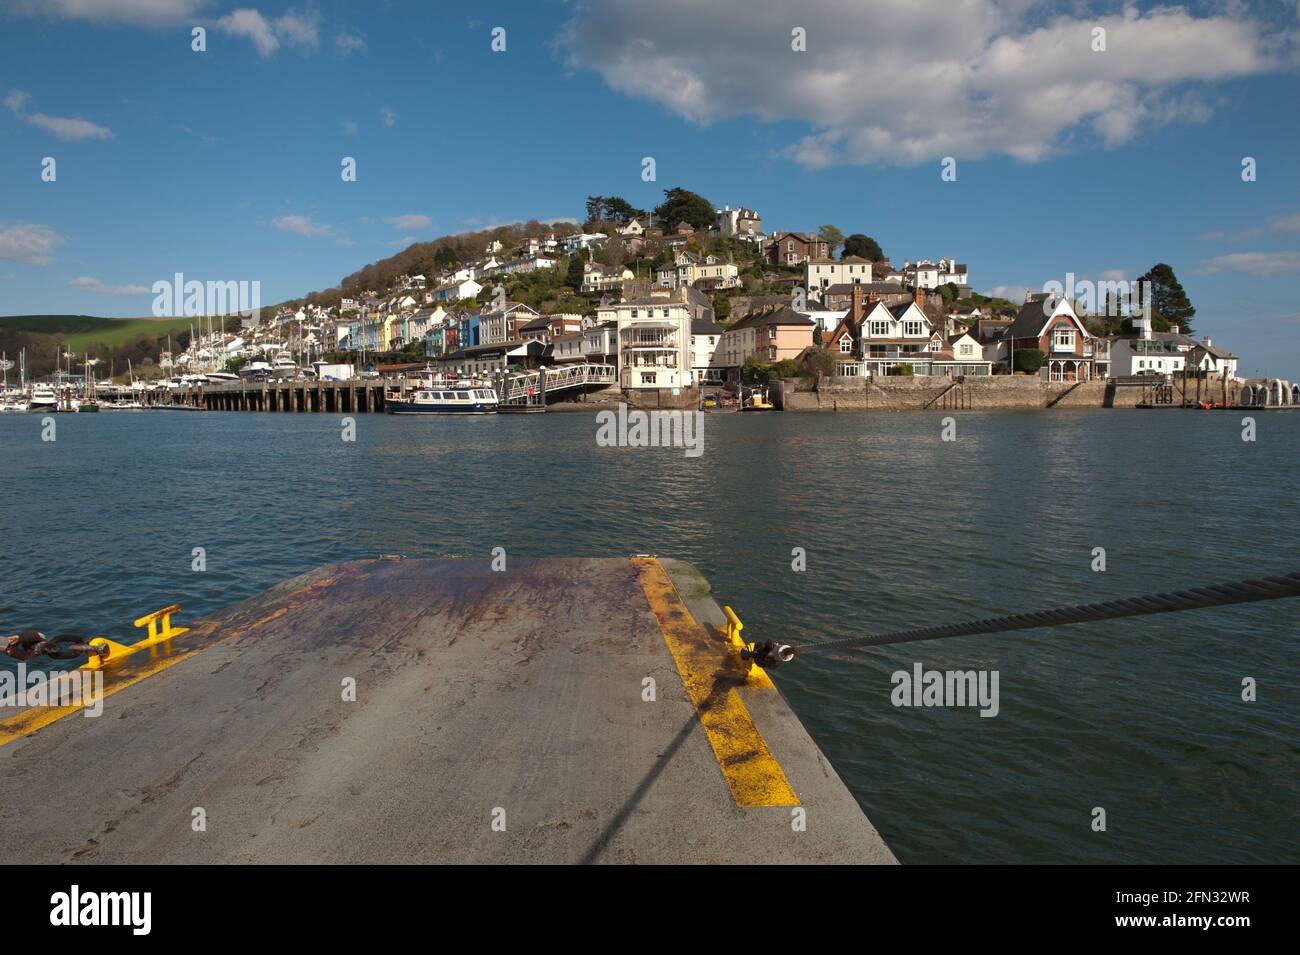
[576, 710]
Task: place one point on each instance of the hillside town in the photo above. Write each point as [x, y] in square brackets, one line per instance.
[677, 308]
[719, 304]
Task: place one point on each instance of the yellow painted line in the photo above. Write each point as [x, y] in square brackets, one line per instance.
[711, 676]
[30, 720]
[122, 672]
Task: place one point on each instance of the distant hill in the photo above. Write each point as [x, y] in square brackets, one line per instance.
[112, 340]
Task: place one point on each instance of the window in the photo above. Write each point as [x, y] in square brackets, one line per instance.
[846, 345]
[647, 377]
[879, 329]
[771, 333]
[967, 349]
[1063, 339]
[912, 327]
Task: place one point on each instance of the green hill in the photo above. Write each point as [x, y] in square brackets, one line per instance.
[114, 340]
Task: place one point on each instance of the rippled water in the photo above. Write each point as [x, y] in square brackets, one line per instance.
[1141, 717]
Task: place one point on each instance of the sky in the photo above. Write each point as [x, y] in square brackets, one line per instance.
[225, 164]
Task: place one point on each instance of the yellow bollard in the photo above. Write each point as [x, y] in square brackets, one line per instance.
[154, 637]
[732, 635]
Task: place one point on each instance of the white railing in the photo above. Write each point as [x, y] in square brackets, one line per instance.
[568, 376]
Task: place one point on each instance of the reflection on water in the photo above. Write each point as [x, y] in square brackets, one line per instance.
[1143, 718]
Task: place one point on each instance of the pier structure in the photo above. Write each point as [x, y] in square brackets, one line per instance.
[384, 711]
[353, 396]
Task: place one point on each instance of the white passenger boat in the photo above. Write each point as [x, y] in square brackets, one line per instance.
[448, 399]
[43, 398]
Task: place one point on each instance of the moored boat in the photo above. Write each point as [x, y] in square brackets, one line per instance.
[449, 399]
[42, 398]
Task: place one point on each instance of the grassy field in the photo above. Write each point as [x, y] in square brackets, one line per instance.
[81, 331]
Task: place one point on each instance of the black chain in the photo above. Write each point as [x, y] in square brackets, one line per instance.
[1217, 595]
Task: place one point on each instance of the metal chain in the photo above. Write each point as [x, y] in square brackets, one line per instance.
[1217, 595]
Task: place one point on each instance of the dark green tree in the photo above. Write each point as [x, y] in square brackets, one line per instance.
[573, 278]
[682, 205]
[864, 247]
[620, 210]
[1169, 303]
[1029, 360]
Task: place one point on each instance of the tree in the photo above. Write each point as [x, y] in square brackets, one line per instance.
[1169, 303]
[864, 247]
[573, 278]
[615, 208]
[833, 236]
[1029, 360]
[681, 205]
[821, 361]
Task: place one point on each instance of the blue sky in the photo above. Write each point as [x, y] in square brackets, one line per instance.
[224, 165]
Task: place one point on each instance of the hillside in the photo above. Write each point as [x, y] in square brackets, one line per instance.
[112, 340]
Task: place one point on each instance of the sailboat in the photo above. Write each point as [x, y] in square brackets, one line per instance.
[89, 400]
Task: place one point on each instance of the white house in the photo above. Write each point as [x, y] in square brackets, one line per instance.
[597, 278]
[823, 273]
[568, 349]
[454, 290]
[654, 342]
[1147, 352]
[705, 364]
[689, 269]
[581, 241]
[898, 335]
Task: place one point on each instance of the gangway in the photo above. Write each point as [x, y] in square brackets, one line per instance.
[532, 387]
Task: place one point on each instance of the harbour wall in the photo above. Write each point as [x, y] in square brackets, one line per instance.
[991, 393]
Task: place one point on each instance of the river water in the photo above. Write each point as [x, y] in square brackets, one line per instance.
[1143, 718]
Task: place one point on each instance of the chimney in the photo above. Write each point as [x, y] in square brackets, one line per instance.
[855, 306]
[1208, 343]
[918, 296]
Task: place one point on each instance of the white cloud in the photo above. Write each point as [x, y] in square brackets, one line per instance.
[390, 118]
[71, 129]
[1260, 264]
[308, 228]
[1289, 223]
[86, 284]
[294, 29]
[409, 222]
[906, 81]
[137, 12]
[349, 127]
[403, 242]
[1012, 293]
[26, 242]
[349, 43]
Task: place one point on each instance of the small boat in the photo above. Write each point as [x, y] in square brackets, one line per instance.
[42, 398]
[285, 367]
[453, 399]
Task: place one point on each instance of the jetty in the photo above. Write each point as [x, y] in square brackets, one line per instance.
[518, 390]
[505, 710]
